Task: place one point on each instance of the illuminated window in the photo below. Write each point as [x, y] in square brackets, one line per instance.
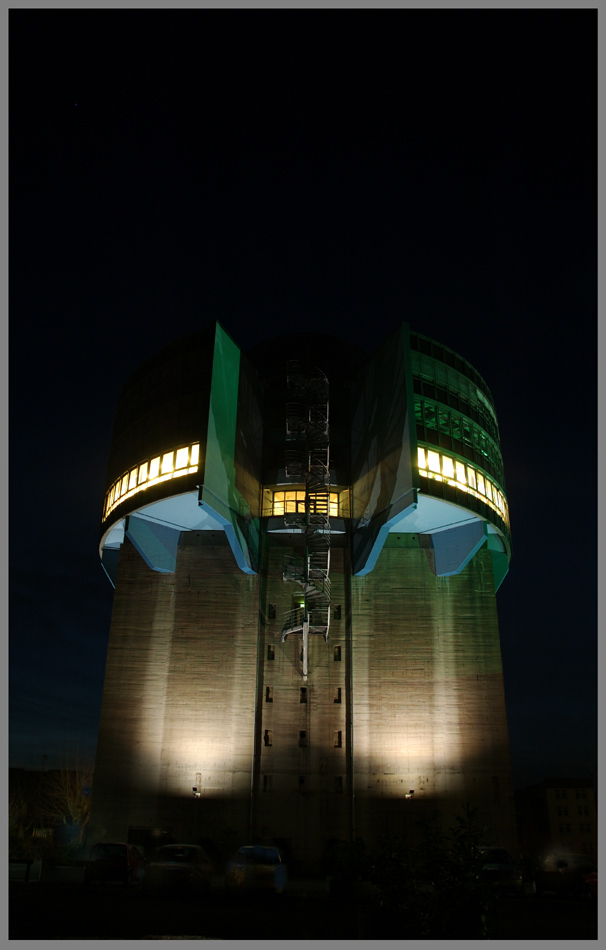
[444, 467]
[148, 472]
[181, 458]
[447, 466]
[433, 461]
[293, 502]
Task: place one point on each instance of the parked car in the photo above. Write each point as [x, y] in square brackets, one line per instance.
[502, 870]
[562, 874]
[256, 868]
[114, 861]
[178, 867]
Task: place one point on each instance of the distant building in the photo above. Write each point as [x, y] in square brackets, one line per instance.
[558, 815]
[305, 544]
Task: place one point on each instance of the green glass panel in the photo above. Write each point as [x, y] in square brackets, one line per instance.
[429, 413]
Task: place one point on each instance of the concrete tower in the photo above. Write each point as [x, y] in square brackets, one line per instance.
[305, 544]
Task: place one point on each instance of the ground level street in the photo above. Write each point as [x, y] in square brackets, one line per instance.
[71, 911]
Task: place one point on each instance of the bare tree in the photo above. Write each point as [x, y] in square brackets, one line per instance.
[67, 795]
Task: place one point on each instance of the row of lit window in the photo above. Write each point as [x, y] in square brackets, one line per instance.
[293, 502]
[181, 461]
[443, 468]
[440, 419]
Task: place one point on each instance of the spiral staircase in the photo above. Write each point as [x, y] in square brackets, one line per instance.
[308, 462]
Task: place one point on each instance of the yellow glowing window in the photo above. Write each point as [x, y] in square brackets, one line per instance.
[433, 460]
[421, 458]
[460, 470]
[148, 473]
[481, 487]
[488, 490]
[447, 467]
[471, 476]
[181, 458]
[293, 502]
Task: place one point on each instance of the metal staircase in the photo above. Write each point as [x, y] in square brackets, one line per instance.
[308, 462]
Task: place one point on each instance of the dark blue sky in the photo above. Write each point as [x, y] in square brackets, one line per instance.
[280, 171]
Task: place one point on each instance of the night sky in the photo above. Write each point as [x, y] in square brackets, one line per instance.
[330, 171]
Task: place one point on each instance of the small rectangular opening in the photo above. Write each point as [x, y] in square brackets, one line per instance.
[271, 653]
[269, 694]
[303, 694]
[267, 783]
[337, 613]
[337, 698]
[271, 611]
[302, 738]
[267, 737]
[337, 654]
[339, 784]
[338, 740]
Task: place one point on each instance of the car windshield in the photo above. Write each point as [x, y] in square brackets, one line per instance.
[182, 855]
[258, 856]
[108, 850]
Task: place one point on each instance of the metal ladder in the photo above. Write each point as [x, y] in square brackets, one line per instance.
[308, 461]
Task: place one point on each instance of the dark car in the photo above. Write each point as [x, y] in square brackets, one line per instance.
[568, 874]
[256, 868]
[114, 861]
[499, 868]
[184, 868]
